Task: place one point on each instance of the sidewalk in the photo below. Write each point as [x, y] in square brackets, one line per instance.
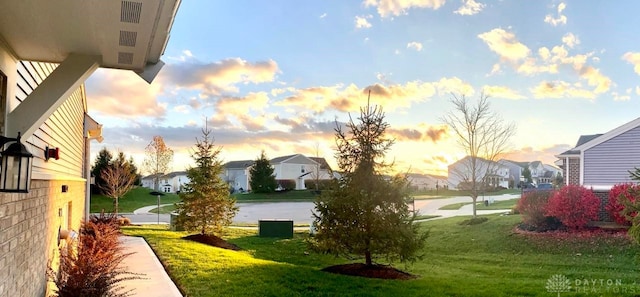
[155, 281]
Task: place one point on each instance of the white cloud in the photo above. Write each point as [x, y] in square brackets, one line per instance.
[387, 8]
[570, 40]
[560, 19]
[505, 44]
[620, 97]
[361, 22]
[560, 89]
[501, 92]
[634, 59]
[324, 15]
[415, 45]
[470, 7]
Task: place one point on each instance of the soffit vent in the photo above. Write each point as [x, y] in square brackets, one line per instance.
[125, 58]
[128, 38]
[130, 12]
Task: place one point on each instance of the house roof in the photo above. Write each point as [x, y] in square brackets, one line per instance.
[241, 164]
[535, 164]
[128, 35]
[586, 142]
[323, 163]
[282, 159]
[175, 173]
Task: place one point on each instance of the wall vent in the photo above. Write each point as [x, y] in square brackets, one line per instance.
[130, 12]
[128, 38]
[125, 58]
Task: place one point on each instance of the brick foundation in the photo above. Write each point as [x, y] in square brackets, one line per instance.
[29, 230]
[603, 215]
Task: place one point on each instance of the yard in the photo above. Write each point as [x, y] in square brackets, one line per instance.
[489, 259]
[136, 198]
[504, 204]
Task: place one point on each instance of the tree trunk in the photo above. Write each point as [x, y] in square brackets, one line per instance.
[367, 258]
[115, 208]
[475, 200]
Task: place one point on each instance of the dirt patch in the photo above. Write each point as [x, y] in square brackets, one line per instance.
[371, 271]
[212, 240]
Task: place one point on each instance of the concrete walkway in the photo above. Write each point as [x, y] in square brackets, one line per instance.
[155, 280]
[146, 209]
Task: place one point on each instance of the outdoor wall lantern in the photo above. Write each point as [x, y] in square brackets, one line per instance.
[17, 162]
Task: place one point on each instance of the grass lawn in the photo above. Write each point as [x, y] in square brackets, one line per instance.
[285, 196]
[503, 204]
[425, 217]
[136, 198]
[432, 194]
[488, 259]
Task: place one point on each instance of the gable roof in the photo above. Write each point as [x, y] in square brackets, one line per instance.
[323, 163]
[241, 164]
[282, 159]
[586, 142]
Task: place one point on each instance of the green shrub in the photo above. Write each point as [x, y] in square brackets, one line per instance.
[287, 184]
[323, 184]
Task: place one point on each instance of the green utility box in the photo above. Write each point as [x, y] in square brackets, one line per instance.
[173, 226]
[275, 228]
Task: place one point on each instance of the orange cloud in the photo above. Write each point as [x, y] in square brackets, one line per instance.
[501, 92]
[634, 59]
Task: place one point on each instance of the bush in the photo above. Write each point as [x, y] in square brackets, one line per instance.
[615, 206]
[532, 206]
[574, 206]
[90, 265]
[287, 184]
[323, 184]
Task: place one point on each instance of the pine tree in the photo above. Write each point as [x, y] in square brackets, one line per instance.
[262, 179]
[103, 159]
[206, 205]
[364, 213]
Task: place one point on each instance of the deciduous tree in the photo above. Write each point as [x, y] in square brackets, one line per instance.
[261, 174]
[206, 205]
[483, 136]
[365, 213]
[158, 158]
[118, 180]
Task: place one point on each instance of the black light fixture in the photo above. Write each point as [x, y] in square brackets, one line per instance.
[17, 162]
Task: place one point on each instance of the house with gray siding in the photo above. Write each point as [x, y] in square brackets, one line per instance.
[600, 161]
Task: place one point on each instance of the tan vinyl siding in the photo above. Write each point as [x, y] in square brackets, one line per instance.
[609, 163]
[63, 129]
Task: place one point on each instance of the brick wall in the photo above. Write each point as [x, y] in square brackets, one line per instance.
[574, 171]
[29, 230]
[603, 215]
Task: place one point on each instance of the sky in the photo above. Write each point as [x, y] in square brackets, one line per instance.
[279, 75]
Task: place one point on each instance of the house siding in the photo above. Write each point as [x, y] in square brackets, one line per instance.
[29, 222]
[64, 128]
[609, 163]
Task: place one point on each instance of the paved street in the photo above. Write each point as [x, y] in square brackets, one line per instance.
[301, 212]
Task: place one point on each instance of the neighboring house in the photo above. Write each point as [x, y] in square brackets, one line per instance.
[236, 174]
[168, 183]
[515, 171]
[600, 161]
[460, 173]
[292, 167]
[46, 103]
[419, 181]
[540, 172]
[537, 172]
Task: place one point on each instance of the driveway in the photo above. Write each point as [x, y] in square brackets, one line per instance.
[301, 212]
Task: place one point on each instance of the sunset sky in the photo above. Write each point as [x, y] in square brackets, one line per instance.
[276, 75]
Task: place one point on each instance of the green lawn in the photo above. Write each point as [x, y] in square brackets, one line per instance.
[136, 198]
[503, 204]
[488, 259]
[433, 194]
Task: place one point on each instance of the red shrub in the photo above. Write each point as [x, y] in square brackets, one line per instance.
[574, 206]
[615, 205]
[532, 206]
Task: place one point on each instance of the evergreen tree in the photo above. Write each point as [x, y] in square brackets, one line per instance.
[261, 174]
[206, 205]
[364, 213]
[526, 173]
[103, 159]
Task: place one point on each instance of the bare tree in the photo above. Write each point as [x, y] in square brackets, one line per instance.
[158, 159]
[118, 180]
[483, 136]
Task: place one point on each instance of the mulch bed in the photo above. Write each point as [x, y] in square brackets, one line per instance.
[371, 271]
[213, 240]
